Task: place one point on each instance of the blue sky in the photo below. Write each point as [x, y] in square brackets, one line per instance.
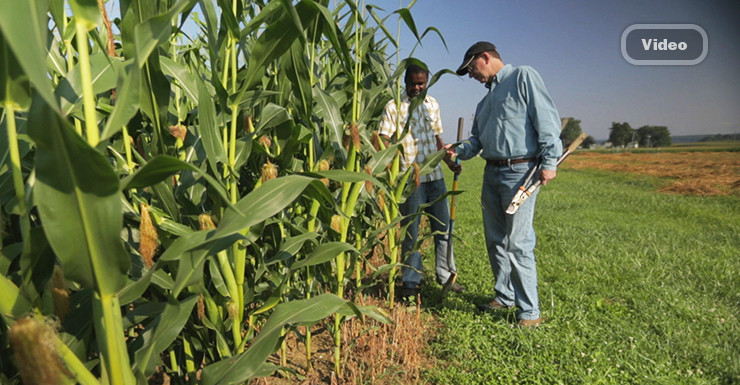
[575, 45]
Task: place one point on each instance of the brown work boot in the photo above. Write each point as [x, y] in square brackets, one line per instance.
[493, 305]
[457, 288]
[530, 323]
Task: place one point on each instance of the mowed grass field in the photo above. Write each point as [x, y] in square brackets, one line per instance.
[637, 286]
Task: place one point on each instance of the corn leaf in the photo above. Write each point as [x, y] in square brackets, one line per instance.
[240, 368]
[160, 333]
[77, 197]
[405, 14]
[262, 203]
[86, 11]
[297, 71]
[272, 116]
[161, 167]
[328, 109]
[323, 253]
[69, 90]
[209, 133]
[271, 44]
[11, 303]
[24, 27]
[15, 88]
[156, 30]
[128, 94]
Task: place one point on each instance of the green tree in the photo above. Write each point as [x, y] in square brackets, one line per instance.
[571, 130]
[588, 141]
[654, 136]
[620, 133]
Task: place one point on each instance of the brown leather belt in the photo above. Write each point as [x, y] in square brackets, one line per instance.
[507, 162]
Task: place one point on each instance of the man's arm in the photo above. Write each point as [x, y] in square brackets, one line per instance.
[546, 122]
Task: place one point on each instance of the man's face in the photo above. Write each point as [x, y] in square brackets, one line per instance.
[476, 69]
[416, 83]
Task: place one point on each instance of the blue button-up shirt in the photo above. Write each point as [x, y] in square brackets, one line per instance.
[516, 119]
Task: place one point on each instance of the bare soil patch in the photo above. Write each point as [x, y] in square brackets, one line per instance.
[690, 173]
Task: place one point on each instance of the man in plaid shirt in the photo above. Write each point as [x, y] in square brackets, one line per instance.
[421, 140]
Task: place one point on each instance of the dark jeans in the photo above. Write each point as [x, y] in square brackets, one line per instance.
[439, 219]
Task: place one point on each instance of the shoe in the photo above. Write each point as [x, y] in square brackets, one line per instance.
[406, 292]
[457, 288]
[493, 305]
[530, 323]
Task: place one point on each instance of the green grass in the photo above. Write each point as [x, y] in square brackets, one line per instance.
[636, 288]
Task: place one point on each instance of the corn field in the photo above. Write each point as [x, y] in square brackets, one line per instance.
[184, 184]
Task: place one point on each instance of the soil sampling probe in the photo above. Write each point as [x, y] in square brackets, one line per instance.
[526, 190]
[451, 225]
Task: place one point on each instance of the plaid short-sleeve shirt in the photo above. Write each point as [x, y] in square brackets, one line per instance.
[420, 140]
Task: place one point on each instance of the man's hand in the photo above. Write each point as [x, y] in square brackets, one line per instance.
[451, 154]
[547, 175]
[454, 166]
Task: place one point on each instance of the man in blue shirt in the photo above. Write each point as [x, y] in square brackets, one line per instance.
[515, 126]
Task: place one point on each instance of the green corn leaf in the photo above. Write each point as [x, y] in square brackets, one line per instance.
[435, 30]
[347, 176]
[164, 194]
[192, 262]
[156, 30]
[69, 90]
[328, 109]
[383, 158]
[217, 279]
[163, 166]
[271, 44]
[15, 89]
[227, 15]
[291, 247]
[381, 24]
[24, 28]
[240, 368]
[128, 96]
[134, 290]
[185, 79]
[323, 253]
[431, 161]
[270, 303]
[262, 203]
[405, 14]
[272, 116]
[77, 197]
[295, 18]
[208, 130]
[11, 303]
[86, 12]
[297, 71]
[160, 333]
[330, 30]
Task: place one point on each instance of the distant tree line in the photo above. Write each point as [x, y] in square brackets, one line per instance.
[621, 134]
[720, 138]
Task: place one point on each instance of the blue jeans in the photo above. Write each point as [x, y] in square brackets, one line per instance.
[440, 217]
[510, 239]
